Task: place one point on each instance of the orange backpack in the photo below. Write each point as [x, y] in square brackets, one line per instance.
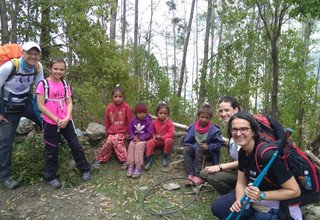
[9, 51]
[13, 52]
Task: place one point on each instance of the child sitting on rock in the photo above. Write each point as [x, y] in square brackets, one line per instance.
[140, 131]
[117, 118]
[202, 139]
[163, 132]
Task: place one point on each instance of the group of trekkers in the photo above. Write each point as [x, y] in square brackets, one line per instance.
[203, 139]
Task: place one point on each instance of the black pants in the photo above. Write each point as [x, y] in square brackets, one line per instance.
[51, 140]
[193, 160]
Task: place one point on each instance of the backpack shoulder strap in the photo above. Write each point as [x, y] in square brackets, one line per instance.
[263, 154]
[14, 70]
[65, 85]
[37, 68]
[46, 88]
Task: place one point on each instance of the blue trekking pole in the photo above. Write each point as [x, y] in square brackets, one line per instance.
[255, 183]
[259, 179]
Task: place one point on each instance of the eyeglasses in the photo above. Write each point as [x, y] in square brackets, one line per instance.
[33, 54]
[242, 130]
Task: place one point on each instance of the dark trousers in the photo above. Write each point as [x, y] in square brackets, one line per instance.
[193, 160]
[51, 140]
[7, 135]
[223, 181]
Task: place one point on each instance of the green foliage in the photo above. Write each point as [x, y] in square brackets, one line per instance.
[28, 161]
[305, 8]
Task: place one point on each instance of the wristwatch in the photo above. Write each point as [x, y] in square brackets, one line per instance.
[220, 166]
[262, 195]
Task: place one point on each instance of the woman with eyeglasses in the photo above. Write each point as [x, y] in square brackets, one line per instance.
[265, 199]
[223, 176]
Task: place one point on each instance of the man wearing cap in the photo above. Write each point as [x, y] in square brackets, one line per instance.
[16, 102]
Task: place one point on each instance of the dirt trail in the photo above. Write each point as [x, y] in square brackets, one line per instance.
[42, 202]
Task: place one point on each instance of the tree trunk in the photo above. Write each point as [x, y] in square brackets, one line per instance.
[185, 49]
[317, 85]
[4, 23]
[203, 91]
[308, 27]
[113, 19]
[150, 26]
[124, 23]
[14, 17]
[273, 29]
[135, 44]
[45, 26]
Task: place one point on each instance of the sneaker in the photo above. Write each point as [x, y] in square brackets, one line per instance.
[137, 172]
[86, 176]
[10, 183]
[96, 164]
[124, 166]
[55, 183]
[130, 171]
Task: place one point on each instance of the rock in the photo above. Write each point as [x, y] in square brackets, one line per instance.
[25, 126]
[95, 131]
[311, 212]
[78, 132]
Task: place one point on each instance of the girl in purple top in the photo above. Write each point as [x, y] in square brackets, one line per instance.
[140, 131]
[56, 108]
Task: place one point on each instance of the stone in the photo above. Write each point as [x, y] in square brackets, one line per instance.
[311, 212]
[25, 126]
[95, 131]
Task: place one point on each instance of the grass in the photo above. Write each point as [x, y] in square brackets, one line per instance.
[126, 197]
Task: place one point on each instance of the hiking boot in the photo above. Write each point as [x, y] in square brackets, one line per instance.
[165, 160]
[124, 166]
[55, 183]
[137, 172]
[149, 162]
[86, 176]
[130, 171]
[10, 183]
[96, 164]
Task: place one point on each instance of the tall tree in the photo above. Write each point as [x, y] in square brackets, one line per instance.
[203, 84]
[136, 32]
[4, 22]
[272, 14]
[124, 23]
[14, 17]
[113, 19]
[185, 49]
[45, 26]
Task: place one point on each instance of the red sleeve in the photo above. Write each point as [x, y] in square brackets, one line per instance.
[129, 115]
[107, 122]
[170, 131]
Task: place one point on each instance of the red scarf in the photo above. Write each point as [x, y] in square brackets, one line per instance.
[200, 129]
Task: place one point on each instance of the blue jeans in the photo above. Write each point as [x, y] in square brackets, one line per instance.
[7, 134]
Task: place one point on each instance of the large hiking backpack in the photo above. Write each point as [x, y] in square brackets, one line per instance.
[9, 51]
[301, 166]
[13, 52]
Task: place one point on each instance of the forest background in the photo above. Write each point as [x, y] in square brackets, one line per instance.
[183, 52]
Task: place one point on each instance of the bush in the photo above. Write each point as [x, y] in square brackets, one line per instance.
[28, 161]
